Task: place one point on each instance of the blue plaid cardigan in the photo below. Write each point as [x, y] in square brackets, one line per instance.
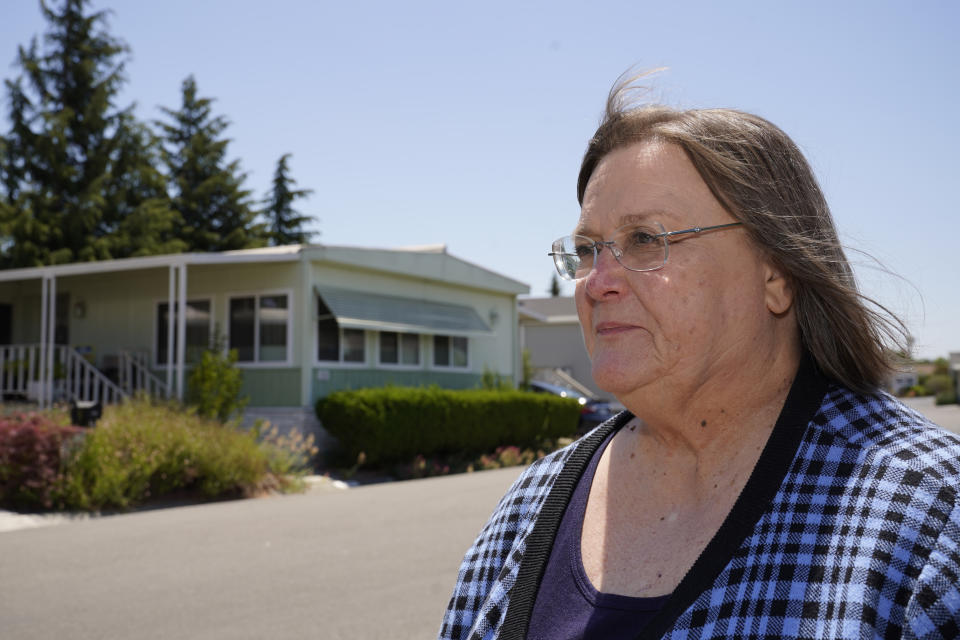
[849, 527]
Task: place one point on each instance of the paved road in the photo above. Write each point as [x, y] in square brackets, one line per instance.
[947, 415]
[371, 562]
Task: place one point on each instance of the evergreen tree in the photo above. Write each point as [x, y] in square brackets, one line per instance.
[554, 289]
[147, 223]
[285, 223]
[207, 189]
[66, 161]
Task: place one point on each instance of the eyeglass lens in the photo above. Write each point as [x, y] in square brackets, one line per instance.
[638, 248]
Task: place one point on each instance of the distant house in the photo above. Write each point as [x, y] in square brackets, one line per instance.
[305, 321]
[550, 331]
[902, 378]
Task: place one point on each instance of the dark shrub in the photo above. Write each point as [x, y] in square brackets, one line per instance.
[395, 424]
[31, 464]
[946, 397]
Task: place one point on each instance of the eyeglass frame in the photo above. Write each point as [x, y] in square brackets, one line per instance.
[611, 244]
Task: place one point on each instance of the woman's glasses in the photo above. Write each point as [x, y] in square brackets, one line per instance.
[642, 247]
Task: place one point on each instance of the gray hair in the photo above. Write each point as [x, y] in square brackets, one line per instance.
[761, 178]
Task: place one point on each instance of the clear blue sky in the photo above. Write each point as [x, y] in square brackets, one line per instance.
[464, 123]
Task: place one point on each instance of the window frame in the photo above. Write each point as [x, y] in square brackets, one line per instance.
[340, 362]
[450, 366]
[155, 355]
[400, 365]
[256, 363]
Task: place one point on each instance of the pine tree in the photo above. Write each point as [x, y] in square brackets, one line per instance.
[67, 161]
[554, 289]
[207, 189]
[285, 223]
[57, 207]
[147, 224]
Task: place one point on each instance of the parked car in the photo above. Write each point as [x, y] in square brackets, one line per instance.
[593, 411]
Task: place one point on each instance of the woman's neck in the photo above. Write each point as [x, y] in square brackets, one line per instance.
[714, 419]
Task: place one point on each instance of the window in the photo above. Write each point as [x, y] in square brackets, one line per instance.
[399, 348]
[198, 330]
[259, 327]
[353, 345]
[331, 338]
[450, 351]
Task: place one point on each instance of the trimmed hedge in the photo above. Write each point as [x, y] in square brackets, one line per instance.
[946, 397]
[394, 424]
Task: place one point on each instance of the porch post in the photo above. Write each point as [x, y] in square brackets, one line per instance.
[44, 298]
[170, 305]
[47, 386]
[181, 330]
[304, 328]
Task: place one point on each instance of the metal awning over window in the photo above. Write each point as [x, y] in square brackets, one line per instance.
[376, 312]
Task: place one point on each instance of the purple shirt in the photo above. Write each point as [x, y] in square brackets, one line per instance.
[568, 606]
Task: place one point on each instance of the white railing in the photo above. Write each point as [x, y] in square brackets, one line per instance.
[83, 381]
[19, 368]
[135, 375]
[74, 377]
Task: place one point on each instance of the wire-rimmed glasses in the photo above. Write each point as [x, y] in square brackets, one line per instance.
[643, 247]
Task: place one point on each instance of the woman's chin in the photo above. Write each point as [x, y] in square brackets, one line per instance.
[619, 376]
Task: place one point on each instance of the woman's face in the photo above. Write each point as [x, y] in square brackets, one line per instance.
[708, 310]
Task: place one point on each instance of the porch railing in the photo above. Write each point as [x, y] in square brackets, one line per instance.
[19, 367]
[135, 375]
[74, 377]
[83, 381]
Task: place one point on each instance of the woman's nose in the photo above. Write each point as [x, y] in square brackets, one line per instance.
[606, 277]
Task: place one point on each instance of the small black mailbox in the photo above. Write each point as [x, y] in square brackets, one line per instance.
[85, 413]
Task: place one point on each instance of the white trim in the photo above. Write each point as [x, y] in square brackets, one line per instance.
[181, 331]
[44, 326]
[397, 327]
[47, 387]
[256, 363]
[337, 254]
[290, 253]
[171, 286]
[155, 340]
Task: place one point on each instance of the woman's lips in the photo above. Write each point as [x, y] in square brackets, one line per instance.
[612, 328]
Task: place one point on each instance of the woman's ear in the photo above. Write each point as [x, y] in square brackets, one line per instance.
[779, 292]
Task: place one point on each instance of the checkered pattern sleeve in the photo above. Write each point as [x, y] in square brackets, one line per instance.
[933, 611]
[490, 566]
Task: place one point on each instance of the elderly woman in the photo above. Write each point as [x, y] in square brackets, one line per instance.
[760, 484]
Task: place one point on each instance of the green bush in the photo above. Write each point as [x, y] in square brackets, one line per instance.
[946, 397]
[139, 450]
[214, 385]
[395, 424]
[938, 383]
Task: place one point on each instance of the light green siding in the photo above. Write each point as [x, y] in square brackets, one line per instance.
[272, 387]
[343, 379]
